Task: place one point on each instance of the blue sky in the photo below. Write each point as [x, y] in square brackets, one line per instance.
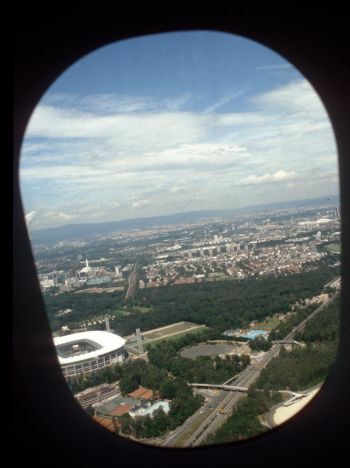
[174, 122]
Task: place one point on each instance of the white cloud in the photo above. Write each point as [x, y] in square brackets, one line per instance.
[112, 103]
[114, 204]
[278, 176]
[57, 215]
[200, 156]
[140, 130]
[140, 203]
[111, 150]
[64, 216]
[65, 174]
[296, 96]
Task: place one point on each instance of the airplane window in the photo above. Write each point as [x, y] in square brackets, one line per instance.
[182, 200]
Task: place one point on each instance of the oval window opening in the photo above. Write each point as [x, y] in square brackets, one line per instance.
[182, 198]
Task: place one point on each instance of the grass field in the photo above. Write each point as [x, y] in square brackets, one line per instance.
[334, 248]
[171, 332]
[141, 309]
[268, 324]
[128, 310]
[169, 329]
[178, 335]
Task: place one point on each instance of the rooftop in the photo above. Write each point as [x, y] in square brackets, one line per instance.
[142, 393]
[86, 345]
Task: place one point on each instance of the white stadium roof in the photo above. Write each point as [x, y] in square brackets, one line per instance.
[105, 343]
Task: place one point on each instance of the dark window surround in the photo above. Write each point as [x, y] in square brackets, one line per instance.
[49, 426]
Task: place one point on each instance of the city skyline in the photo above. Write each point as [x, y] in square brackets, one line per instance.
[171, 123]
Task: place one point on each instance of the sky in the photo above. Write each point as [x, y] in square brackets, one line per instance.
[171, 123]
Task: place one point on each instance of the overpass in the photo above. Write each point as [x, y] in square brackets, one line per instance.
[291, 342]
[232, 388]
[334, 283]
[295, 397]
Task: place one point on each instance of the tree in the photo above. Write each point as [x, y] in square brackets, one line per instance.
[259, 344]
[90, 410]
[149, 428]
[125, 421]
[137, 425]
[160, 421]
[167, 389]
[128, 383]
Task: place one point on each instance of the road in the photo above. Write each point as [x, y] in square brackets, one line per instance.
[269, 420]
[185, 435]
[206, 421]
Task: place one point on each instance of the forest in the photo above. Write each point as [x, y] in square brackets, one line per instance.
[299, 369]
[245, 423]
[166, 355]
[164, 361]
[219, 305]
[84, 307]
[166, 386]
[140, 373]
[304, 367]
[167, 373]
[285, 327]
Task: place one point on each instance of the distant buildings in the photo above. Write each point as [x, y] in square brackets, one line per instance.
[87, 269]
[258, 246]
[98, 280]
[47, 283]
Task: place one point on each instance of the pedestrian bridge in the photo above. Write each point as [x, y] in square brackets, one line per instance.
[232, 388]
[290, 342]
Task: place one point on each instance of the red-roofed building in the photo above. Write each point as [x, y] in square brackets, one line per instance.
[120, 410]
[105, 422]
[142, 393]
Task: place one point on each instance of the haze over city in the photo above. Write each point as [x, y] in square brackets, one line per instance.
[174, 123]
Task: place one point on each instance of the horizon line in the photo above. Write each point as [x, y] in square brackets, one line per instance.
[306, 200]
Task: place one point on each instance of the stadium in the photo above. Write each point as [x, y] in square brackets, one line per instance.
[85, 352]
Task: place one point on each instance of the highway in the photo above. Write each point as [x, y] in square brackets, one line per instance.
[197, 423]
[207, 420]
